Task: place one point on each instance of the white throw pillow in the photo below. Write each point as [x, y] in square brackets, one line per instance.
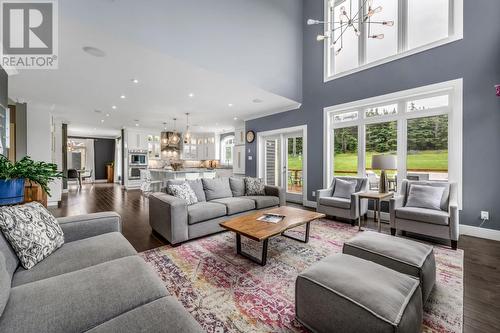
[32, 232]
[424, 196]
[185, 192]
[344, 188]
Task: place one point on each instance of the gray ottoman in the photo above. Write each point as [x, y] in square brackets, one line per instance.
[402, 255]
[342, 293]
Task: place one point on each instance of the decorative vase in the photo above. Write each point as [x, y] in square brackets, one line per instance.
[11, 191]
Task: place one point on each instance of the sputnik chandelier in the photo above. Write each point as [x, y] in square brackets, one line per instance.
[356, 21]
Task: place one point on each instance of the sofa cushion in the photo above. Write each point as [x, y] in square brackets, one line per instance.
[11, 260]
[32, 231]
[335, 202]
[5, 284]
[166, 314]
[203, 211]
[254, 186]
[236, 205]
[184, 192]
[264, 201]
[344, 188]
[77, 255]
[237, 186]
[423, 215]
[217, 188]
[81, 300]
[423, 196]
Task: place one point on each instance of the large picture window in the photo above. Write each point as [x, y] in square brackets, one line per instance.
[422, 127]
[415, 25]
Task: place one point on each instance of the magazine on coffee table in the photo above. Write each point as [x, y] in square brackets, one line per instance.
[271, 218]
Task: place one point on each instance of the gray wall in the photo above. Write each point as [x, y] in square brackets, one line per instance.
[104, 152]
[476, 59]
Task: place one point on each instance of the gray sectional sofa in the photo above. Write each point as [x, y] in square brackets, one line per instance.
[94, 283]
[218, 200]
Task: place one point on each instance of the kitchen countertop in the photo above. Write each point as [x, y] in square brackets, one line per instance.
[183, 171]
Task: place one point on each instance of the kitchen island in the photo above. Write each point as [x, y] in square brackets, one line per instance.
[186, 174]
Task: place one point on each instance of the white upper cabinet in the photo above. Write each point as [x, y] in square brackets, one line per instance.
[239, 136]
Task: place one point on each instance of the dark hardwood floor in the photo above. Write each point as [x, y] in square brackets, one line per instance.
[481, 259]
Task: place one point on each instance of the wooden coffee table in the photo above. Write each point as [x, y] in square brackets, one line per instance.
[250, 227]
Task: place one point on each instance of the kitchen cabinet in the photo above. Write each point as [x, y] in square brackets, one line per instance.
[154, 147]
[201, 147]
[239, 160]
[239, 136]
[137, 140]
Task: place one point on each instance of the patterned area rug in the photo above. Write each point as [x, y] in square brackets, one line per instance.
[228, 293]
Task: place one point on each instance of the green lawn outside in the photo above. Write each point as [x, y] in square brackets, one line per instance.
[294, 162]
[428, 160]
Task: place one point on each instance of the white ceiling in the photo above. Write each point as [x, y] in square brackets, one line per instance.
[84, 83]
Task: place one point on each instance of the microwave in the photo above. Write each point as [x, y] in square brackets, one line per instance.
[138, 158]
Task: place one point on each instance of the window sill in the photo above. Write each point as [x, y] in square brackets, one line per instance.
[391, 58]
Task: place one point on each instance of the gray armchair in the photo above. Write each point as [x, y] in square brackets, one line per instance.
[340, 207]
[441, 223]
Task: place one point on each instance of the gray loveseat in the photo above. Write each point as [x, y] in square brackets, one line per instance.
[94, 283]
[218, 200]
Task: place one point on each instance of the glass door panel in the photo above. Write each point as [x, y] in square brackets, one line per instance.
[345, 155]
[381, 138]
[272, 161]
[294, 165]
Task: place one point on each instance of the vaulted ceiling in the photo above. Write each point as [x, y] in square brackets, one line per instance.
[238, 59]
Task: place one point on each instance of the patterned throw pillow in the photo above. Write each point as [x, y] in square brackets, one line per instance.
[254, 186]
[184, 191]
[32, 232]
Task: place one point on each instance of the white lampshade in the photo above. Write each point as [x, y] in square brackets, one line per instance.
[384, 162]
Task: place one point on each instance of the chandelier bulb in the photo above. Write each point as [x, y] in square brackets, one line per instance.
[338, 51]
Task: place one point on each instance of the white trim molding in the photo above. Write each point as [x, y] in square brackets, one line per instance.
[468, 230]
[282, 132]
[454, 110]
[455, 33]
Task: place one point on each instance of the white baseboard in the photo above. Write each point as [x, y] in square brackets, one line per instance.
[485, 233]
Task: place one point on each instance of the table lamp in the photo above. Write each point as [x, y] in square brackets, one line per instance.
[383, 163]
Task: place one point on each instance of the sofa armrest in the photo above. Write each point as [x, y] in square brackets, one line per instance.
[168, 217]
[394, 203]
[454, 222]
[90, 225]
[327, 192]
[276, 191]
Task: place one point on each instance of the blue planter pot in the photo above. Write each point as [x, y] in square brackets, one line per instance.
[11, 191]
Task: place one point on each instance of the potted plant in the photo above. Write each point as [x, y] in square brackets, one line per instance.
[14, 175]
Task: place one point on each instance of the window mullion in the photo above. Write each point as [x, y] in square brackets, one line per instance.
[362, 37]
[402, 25]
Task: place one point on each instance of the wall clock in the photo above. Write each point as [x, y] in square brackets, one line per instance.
[250, 136]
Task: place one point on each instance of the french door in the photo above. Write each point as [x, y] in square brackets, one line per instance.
[282, 163]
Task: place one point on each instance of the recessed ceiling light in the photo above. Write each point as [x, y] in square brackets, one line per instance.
[102, 120]
[135, 81]
[235, 118]
[191, 95]
[114, 107]
[107, 114]
[123, 96]
[230, 105]
[94, 51]
[136, 125]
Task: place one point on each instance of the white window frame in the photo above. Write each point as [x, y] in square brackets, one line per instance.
[455, 127]
[455, 32]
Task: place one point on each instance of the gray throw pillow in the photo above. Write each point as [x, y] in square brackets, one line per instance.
[254, 186]
[217, 188]
[423, 196]
[32, 232]
[185, 192]
[197, 186]
[344, 188]
[237, 186]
